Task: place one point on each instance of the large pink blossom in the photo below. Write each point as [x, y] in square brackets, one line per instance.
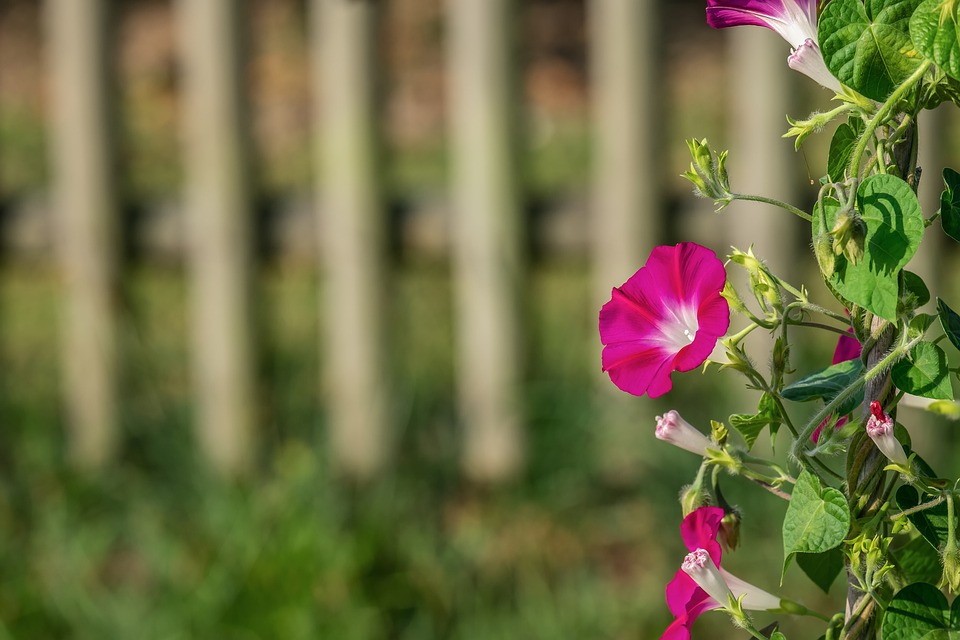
[666, 317]
[794, 20]
[685, 598]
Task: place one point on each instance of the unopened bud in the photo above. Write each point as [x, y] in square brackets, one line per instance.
[849, 236]
[675, 430]
[880, 429]
[730, 529]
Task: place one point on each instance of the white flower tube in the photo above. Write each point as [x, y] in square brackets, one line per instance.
[675, 430]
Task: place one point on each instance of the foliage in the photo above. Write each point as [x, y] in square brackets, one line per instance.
[885, 518]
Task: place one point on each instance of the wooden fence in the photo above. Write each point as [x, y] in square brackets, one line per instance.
[486, 245]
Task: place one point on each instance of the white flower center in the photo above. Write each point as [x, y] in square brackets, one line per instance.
[679, 328]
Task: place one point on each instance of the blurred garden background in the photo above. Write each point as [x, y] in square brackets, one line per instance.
[298, 307]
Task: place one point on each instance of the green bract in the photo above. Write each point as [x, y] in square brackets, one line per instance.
[867, 45]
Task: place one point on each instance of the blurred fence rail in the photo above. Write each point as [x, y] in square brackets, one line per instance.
[481, 223]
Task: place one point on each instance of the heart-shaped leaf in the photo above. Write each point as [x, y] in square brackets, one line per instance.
[950, 204]
[894, 227]
[935, 34]
[817, 519]
[822, 568]
[867, 45]
[917, 560]
[924, 373]
[950, 322]
[920, 611]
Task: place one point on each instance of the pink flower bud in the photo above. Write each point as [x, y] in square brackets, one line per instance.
[675, 430]
[880, 429]
[700, 566]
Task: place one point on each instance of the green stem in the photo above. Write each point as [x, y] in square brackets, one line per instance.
[882, 113]
[917, 509]
[885, 363]
[783, 205]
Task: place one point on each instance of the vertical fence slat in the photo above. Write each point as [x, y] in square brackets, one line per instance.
[353, 232]
[486, 234]
[219, 227]
[85, 200]
[626, 191]
[761, 162]
[626, 214]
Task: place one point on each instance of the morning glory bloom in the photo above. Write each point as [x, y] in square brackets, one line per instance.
[700, 584]
[666, 317]
[794, 20]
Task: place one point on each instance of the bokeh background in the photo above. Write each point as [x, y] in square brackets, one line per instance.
[298, 307]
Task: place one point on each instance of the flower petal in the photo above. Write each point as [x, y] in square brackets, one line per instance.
[686, 601]
[848, 348]
[699, 530]
[794, 20]
[633, 367]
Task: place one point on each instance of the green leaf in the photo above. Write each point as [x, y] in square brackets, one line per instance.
[817, 519]
[917, 560]
[919, 611]
[866, 44]
[913, 285]
[950, 322]
[950, 204]
[841, 148]
[934, 32]
[894, 221]
[931, 523]
[924, 373]
[827, 383]
[821, 568]
[750, 425]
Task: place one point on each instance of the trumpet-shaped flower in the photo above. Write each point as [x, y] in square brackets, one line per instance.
[675, 430]
[666, 317]
[880, 429]
[701, 584]
[794, 20]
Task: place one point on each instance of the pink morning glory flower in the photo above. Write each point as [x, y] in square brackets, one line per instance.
[880, 429]
[697, 586]
[848, 348]
[794, 20]
[666, 317]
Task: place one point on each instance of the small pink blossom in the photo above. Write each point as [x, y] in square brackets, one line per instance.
[666, 317]
[686, 597]
[675, 430]
[880, 429]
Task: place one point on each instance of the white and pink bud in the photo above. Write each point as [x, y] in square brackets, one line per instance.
[700, 566]
[721, 585]
[880, 429]
[675, 430]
